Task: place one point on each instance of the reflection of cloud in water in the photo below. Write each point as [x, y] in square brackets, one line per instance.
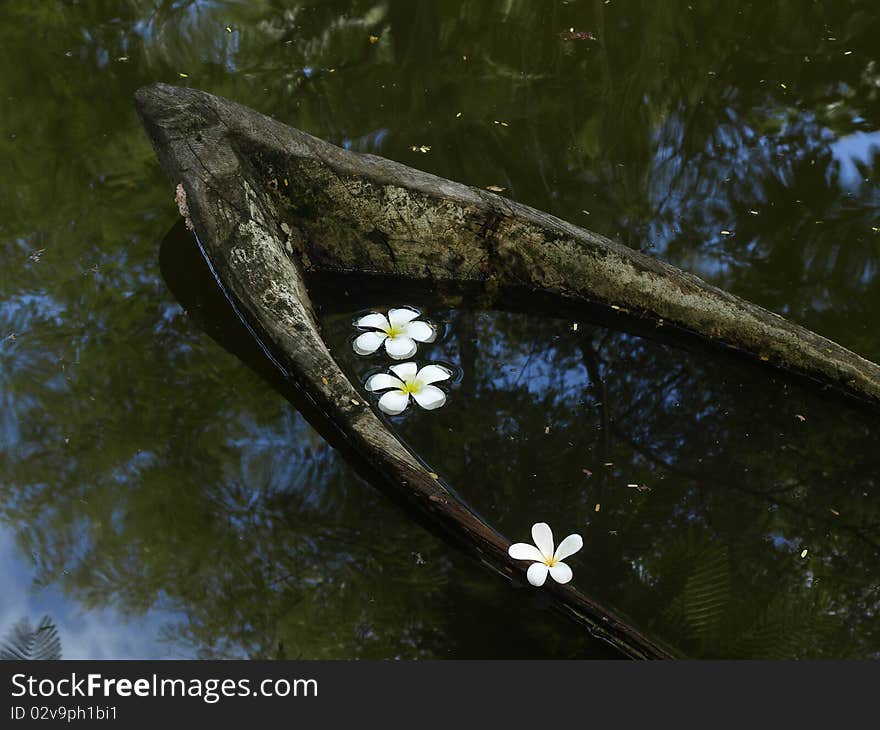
[85, 633]
[853, 150]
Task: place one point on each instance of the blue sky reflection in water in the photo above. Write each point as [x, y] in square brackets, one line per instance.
[150, 480]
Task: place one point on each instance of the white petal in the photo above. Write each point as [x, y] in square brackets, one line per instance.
[368, 342]
[383, 381]
[400, 347]
[393, 402]
[430, 397]
[543, 537]
[433, 374]
[401, 316]
[561, 573]
[537, 574]
[421, 331]
[524, 551]
[404, 371]
[374, 319]
[569, 546]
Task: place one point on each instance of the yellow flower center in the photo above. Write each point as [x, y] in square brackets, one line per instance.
[411, 387]
[550, 562]
[393, 331]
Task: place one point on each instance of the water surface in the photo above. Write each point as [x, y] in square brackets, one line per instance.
[160, 498]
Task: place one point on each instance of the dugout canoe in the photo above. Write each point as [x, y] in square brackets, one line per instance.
[269, 203]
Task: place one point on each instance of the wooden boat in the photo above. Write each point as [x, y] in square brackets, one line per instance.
[269, 202]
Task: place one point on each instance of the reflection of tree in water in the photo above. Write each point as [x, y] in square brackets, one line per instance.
[742, 471]
[130, 462]
[24, 641]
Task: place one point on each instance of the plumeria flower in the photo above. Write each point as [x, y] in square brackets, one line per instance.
[400, 331]
[408, 381]
[546, 560]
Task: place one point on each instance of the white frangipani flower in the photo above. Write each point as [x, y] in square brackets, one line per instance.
[408, 381]
[400, 331]
[546, 560]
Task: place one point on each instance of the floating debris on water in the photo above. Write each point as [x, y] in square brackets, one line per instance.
[577, 35]
[495, 188]
[804, 553]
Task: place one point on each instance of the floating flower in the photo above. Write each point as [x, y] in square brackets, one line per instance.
[400, 331]
[546, 560]
[408, 381]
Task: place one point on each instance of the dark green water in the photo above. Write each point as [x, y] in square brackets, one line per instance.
[160, 498]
